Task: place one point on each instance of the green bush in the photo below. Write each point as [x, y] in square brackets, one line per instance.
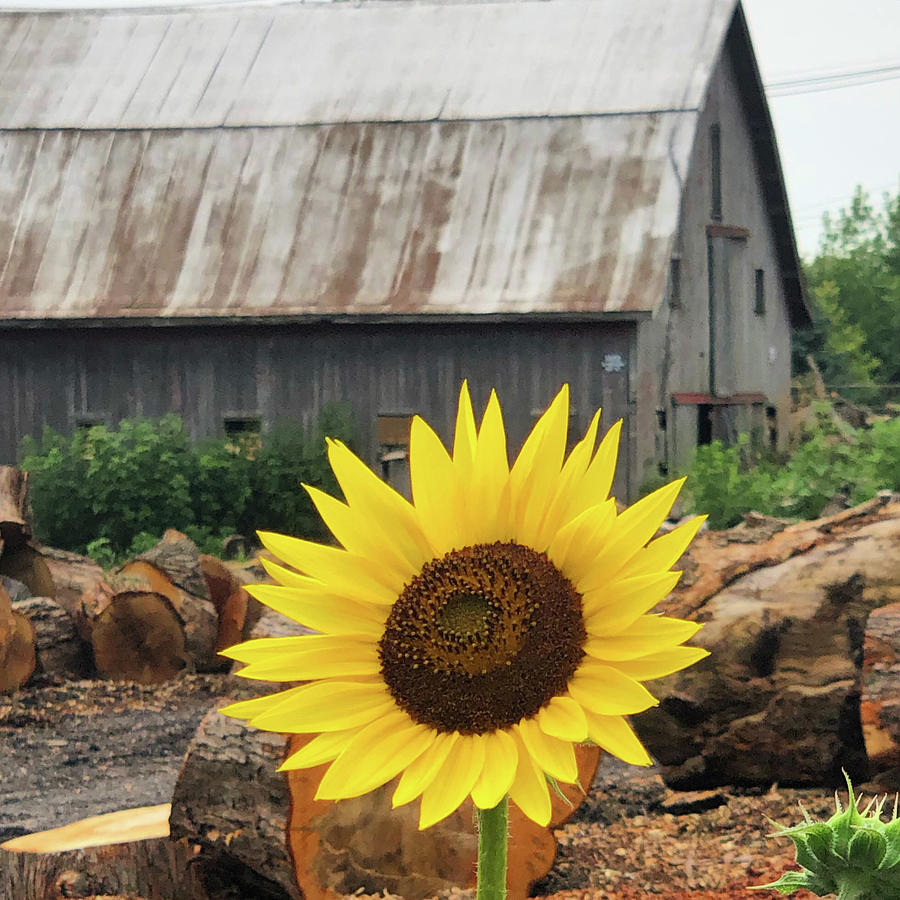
[113, 491]
[833, 459]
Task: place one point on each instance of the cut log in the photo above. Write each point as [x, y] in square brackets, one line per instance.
[221, 582]
[136, 636]
[880, 703]
[74, 576]
[784, 620]
[15, 524]
[122, 853]
[17, 658]
[177, 557]
[26, 564]
[7, 622]
[60, 650]
[364, 845]
[238, 611]
[197, 614]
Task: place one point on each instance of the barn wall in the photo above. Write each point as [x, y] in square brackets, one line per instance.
[752, 352]
[57, 376]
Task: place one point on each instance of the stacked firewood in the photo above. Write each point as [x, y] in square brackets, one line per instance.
[168, 610]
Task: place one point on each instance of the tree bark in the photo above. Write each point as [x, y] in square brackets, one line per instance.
[177, 557]
[74, 576]
[880, 702]
[60, 650]
[15, 526]
[80, 860]
[17, 657]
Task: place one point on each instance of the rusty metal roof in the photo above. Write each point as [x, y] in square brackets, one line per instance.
[375, 158]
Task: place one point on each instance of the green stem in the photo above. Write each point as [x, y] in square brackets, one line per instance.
[493, 834]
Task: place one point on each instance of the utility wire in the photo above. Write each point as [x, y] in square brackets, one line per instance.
[832, 81]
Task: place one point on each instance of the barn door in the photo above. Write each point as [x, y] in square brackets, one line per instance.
[726, 259]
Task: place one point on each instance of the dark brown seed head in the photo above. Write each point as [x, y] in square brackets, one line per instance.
[481, 638]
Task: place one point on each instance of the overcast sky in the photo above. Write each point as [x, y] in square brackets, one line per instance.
[829, 140]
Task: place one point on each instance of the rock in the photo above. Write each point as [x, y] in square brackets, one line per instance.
[880, 705]
[778, 698]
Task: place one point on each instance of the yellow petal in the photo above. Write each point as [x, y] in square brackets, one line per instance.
[327, 706]
[611, 609]
[594, 487]
[422, 771]
[607, 692]
[563, 718]
[615, 735]
[361, 536]
[247, 709]
[455, 780]
[500, 760]
[575, 546]
[305, 657]
[321, 611]
[436, 490]
[661, 663]
[375, 755]
[536, 471]
[377, 502]
[529, 788]
[569, 482]
[465, 437]
[555, 757]
[344, 573]
[290, 578]
[633, 528]
[490, 479]
[665, 551]
[322, 748]
[649, 634]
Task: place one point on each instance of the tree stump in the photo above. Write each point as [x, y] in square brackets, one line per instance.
[127, 852]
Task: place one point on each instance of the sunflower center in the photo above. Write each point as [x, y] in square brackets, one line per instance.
[481, 638]
[465, 615]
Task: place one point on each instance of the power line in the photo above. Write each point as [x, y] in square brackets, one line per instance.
[831, 76]
[833, 81]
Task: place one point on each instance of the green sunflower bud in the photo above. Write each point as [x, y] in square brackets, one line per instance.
[854, 855]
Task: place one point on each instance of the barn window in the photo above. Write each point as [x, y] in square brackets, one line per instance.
[675, 282]
[772, 426]
[239, 427]
[759, 307]
[86, 421]
[392, 429]
[715, 171]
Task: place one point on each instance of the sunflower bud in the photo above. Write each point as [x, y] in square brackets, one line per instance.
[855, 854]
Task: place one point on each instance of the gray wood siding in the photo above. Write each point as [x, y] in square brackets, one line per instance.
[751, 353]
[56, 376]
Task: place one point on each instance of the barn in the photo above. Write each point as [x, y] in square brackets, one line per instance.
[242, 212]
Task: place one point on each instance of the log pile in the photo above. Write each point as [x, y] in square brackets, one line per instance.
[166, 611]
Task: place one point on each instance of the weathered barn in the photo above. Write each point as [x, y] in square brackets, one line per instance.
[242, 212]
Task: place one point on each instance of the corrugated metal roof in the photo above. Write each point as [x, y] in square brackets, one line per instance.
[524, 216]
[364, 159]
[304, 63]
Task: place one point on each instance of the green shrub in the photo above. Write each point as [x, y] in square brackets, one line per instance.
[112, 492]
[833, 459]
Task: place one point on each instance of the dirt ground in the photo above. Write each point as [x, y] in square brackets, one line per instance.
[76, 749]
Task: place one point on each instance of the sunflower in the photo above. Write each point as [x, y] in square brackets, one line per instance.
[468, 641]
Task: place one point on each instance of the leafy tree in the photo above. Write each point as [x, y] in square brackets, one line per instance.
[854, 283]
